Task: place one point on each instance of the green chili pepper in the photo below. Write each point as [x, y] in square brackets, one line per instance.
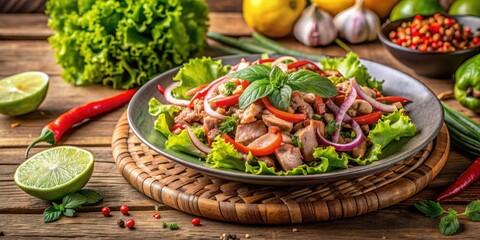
[467, 84]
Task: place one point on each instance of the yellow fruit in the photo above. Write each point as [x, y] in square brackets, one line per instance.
[381, 7]
[273, 18]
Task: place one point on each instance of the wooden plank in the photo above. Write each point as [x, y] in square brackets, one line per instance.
[378, 225]
[225, 6]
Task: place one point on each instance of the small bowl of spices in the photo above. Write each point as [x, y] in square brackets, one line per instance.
[433, 46]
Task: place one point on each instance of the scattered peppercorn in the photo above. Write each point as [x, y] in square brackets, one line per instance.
[156, 215]
[229, 236]
[294, 230]
[124, 209]
[120, 223]
[106, 211]
[196, 221]
[434, 34]
[247, 235]
[130, 223]
[15, 124]
[2, 234]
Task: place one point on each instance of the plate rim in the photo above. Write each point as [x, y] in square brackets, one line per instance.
[274, 179]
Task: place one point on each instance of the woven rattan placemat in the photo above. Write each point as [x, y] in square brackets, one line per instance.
[193, 192]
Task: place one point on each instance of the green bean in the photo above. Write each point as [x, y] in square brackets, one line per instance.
[237, 44]
[284, 50]
[475, 127]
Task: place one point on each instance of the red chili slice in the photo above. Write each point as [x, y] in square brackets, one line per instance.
[371, 118]
[291, 117]
[301, 63]
[319, 105]
[393, 99]
[256, 151]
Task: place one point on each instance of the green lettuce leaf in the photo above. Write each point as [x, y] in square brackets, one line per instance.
[350, 66]
[197, 72]
[181, 142]
[390, 127]
[224, 155]
[155, 108]
[124, 43]
[165, 115]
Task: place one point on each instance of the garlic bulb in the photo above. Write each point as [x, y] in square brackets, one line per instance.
[357, 24]
[315, 27]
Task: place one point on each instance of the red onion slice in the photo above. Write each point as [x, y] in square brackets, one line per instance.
[342, 112]
[197, 142]
[375, 104]
[170, 99]
[206, 105]
[338, 146]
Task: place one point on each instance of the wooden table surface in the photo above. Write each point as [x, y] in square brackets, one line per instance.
[23, 47]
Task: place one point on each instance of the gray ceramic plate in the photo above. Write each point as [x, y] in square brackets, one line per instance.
[425, 111]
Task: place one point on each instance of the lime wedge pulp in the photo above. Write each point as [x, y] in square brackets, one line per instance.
[22, 93]
[55, 172]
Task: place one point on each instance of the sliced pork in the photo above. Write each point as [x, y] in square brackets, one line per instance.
[247, 133]
[272, 120]
[288, 156]
[308, 139]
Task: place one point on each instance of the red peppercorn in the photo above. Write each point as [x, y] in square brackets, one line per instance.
[196, 221]
[106, 211]
[156, 215]
[130, 223]
[124, 209]
[476, 40]
[418, 17]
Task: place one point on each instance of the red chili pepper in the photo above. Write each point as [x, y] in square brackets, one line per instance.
[300, 63]
[463, 181]
[393, 99]
[267, 150]
[319, 105]
[371, 118]
[377, 93]
[226, 101]
[194, 90]
[245, 84]
[291, 117]
[53, 131]
[339, 99]
[161, 89]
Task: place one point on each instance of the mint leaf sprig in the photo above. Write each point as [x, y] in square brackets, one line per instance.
[70, 203]
[278, 86]
[449, 224]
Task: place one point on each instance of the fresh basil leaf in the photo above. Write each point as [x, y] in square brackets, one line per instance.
[91, 195]
[51, 214]
[74, 200]
[255, 91]
[252, 73]
[430, 208]
[69, 212]
[280, 98]
[58, 206]
[310, 82]
[449, 224]
[277, 77]
[473, 210]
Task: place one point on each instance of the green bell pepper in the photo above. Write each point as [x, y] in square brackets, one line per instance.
[467, 84]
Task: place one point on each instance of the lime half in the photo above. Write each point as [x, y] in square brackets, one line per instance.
[22, 93]
[55, 172]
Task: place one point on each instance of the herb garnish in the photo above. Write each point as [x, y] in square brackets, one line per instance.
[229, 88]
[278, 86]
[296, 141]
[70, 203]
[331, 127]
[449, 224]
[229, 125]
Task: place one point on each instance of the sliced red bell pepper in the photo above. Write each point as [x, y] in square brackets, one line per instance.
[319, 105]
[226, 101]
[377, 93]
[266, 60]
[371, 118]
[194, 90]
[291, 117]
[300, 63]
[256, 151]
[160, 89]
[176, 126]
[393, 99]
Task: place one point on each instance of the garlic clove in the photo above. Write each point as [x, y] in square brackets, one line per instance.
[315, 27]
[357, 24]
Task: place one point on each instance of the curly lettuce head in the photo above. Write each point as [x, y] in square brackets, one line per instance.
[124, 43]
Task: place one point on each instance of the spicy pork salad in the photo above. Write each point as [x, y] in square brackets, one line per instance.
[280, 116]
